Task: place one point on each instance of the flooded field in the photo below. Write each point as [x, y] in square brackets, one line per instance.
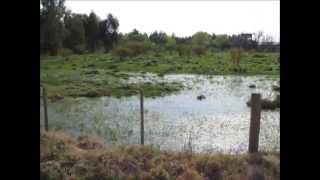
[218, 123]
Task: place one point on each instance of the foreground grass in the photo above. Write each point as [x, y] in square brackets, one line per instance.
[84, 158]
[94, 75]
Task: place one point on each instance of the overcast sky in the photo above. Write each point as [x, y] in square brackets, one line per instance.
[184, 18]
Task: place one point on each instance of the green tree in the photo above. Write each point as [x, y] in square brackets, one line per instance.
[92, 30]
[200, 43]
[52, 31]
[184, 49]
[158, 38]
[108, 32]
[170, 44]
[75, 39]
[135, 35]
[222, 42]
[201, 39]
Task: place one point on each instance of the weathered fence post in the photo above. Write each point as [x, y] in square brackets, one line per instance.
[254, 123]
[142, 120]
[44, 96]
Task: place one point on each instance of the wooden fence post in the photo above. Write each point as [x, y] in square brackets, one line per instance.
[142, 120]
[254, 123]
[44, 96]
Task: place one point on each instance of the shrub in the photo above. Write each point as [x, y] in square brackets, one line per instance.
[122, 52]
[137, 47]
[199, 50]
[183, 49]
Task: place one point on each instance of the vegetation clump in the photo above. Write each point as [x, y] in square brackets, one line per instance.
[276, 88]
[66, 157]
[201, 97]
[122, 52]
[267, 104]
[236, 55]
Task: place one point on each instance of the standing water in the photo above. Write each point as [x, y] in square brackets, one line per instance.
[217, 123]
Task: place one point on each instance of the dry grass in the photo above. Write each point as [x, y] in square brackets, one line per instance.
[84, 158]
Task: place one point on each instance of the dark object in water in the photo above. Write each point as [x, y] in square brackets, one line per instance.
[276, 88]
[268, 104]
[252, 86]
[201, 97]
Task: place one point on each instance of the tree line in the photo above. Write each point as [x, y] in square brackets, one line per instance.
[62, 31]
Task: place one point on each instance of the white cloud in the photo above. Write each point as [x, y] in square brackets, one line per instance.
[183, 18]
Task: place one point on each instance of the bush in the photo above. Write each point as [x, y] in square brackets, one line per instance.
[137, 47]
[199, 50]
[183, 49]
[122, 52]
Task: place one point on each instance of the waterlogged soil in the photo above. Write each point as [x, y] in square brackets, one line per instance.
[219, 123]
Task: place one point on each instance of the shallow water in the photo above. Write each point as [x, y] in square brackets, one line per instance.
[219, 123]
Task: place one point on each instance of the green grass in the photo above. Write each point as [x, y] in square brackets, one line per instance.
[94, 75]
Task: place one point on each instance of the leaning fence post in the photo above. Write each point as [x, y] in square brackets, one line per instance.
[44, 96]
[142, 120]
[255, 122]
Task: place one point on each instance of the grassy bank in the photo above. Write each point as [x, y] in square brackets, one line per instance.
[94, 75]
[84, 158]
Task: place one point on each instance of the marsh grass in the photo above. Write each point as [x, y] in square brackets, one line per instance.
[65, 157]
[95, 75]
